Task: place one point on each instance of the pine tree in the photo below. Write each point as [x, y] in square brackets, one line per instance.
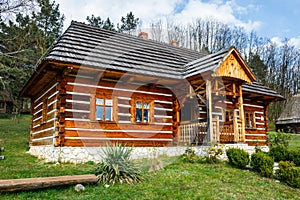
[49, 20]
[129, 23]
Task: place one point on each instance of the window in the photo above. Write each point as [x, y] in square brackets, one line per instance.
[104, 109]
[2, 104]
[142, 111]
[249, 120]
[228, 115]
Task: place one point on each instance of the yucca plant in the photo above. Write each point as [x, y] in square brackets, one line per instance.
[116, 166]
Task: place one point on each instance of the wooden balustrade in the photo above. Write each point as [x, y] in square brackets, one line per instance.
[192, 133]
[195, 133]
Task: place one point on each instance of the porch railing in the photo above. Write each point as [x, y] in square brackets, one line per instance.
[192, 133]
[195, 133]
[226, 134]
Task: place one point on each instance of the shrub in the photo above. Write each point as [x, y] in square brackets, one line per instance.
[278, 138]
[116, 166]
[288, 173]
[190, 156]
[294, 156]
[279, 153]
[262, 163]
[238, 157]
[214, 154]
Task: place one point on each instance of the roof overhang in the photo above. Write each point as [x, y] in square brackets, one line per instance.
[234, 66]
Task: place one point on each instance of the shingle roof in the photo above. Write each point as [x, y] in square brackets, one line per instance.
[206, 63]
[258, 88]
[291, 112]
[86, 45]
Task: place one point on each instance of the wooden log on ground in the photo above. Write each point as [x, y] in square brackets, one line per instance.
[11, 185]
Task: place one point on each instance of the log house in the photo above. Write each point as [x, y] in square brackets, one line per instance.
[97, 86]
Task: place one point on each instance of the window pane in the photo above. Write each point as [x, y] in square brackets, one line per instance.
[108, 113]
[138, 104]
[146, 115]
[99, 101]
[146, 105]
[227, 116]
[108, 102]
[99, 112]
[138, 115]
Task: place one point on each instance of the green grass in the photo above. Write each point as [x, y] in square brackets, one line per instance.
[295, 141]
[179, 181]
[176, 181]
[14, 138]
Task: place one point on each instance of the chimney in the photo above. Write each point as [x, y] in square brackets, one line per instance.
[143, 35]
[174, 43]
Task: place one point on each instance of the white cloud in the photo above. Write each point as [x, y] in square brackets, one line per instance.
[295, 42]
[148, 11]
[224, 12]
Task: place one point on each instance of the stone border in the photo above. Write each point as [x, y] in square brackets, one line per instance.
[85, 154]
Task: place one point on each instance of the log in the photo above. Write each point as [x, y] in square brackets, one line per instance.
[11, 185]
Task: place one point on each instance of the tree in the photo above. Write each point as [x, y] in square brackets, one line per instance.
[49, 20]
[98, 22]
[95, 21]
[129, 23]
[9, 8]
[22, 43]
[20, 47]
[108, 25]
[259, 68]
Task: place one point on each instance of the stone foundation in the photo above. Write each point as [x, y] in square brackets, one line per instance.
[85, 154]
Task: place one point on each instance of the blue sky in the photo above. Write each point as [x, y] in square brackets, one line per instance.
[275, 19]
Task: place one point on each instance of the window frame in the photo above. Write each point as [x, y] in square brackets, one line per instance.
[247, 115]
[150, 111]
[230, 116]
[93, 108]
[2, 105]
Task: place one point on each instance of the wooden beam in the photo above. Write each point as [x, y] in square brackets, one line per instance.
[242, 116]
[209, 110]
[11, 185]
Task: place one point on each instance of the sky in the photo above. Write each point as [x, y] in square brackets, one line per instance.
[274, 19]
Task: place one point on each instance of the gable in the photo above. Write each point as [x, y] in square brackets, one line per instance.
[233, 66]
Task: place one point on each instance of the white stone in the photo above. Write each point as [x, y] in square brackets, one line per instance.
[79, 187]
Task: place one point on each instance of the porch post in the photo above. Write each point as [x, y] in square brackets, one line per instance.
[242, 116]
[209, 112]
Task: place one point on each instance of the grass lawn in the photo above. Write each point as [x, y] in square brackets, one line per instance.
[14, 138]
[176, 181]
[295, 141]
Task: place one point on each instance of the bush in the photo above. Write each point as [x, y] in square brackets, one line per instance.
[288, 173]
[262, 163]
[117, 166]
[294, 156]
[190, 156]
[278, 138]
[214, 154]
[238, 157]
[279, 153]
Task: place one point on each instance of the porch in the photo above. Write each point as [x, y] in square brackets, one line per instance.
[196, 133]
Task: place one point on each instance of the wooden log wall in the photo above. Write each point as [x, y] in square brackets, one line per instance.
[257, 134]
[80, 130]
[44, 110]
